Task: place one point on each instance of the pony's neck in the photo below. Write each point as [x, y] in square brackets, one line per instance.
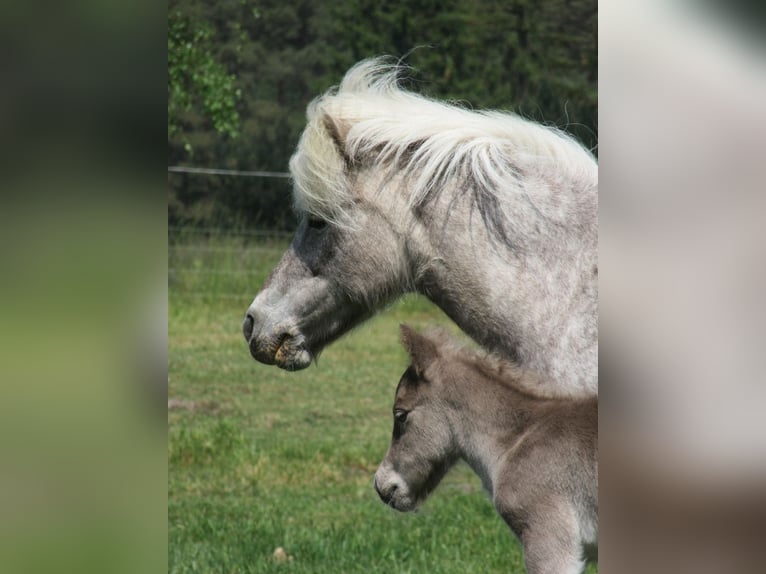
[500, 294]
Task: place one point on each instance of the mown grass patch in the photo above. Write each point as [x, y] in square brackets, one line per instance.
[261, 459]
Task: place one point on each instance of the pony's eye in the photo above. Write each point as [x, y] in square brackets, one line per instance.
[316, 223]
[400, 416]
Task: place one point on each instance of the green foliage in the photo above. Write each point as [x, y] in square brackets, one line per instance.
[196, 78]
[260, 458]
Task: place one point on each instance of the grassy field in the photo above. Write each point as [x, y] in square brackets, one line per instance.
[261, 459]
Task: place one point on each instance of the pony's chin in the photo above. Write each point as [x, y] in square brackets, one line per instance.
[292, 358]
[288, 352]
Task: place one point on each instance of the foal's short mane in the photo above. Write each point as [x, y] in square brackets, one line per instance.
[370, 117]
[501, 370]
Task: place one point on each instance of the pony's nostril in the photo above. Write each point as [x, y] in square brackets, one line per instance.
[247, 327]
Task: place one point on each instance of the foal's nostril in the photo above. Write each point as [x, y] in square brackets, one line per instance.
[385, 497]
[247, 326]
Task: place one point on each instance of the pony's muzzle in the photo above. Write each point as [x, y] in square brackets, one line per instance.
[247, 327]
[262, 347]
[275, 346]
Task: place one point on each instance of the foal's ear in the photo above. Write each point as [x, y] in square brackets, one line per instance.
[422, 350]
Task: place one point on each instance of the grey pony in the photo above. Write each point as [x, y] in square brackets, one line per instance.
[490, 216]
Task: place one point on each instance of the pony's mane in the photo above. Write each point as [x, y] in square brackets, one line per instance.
[370, 116]
[499, 369]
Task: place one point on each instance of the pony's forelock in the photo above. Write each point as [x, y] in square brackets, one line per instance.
[431, 143]
[318, 171]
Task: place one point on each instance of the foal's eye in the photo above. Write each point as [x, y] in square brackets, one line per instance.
[316, 223]
[400, 416]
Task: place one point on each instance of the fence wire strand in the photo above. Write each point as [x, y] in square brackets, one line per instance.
[232, 172]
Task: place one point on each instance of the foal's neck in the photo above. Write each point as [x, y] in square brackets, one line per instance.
[493, 414]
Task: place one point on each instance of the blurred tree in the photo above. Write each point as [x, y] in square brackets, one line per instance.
[197, 79]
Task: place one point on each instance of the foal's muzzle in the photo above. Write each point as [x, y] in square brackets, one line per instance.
[384, 496]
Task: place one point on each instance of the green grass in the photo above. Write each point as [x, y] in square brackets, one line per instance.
[260, 458]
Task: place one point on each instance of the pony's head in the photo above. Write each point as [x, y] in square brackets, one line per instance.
[375, 169]
[349, 255]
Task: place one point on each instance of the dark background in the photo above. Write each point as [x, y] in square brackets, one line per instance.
[242, 72]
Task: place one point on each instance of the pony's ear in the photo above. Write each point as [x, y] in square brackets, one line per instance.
[338, 132]
[422, 350]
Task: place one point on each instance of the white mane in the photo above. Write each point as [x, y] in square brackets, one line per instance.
[434, 142]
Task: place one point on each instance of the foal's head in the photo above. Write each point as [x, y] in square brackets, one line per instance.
[422, 447]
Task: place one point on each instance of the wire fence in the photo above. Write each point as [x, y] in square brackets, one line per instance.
[219, 249]
[216, 264]
[232, 172]
[181, 230]
[228, 206]
[220, 263]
